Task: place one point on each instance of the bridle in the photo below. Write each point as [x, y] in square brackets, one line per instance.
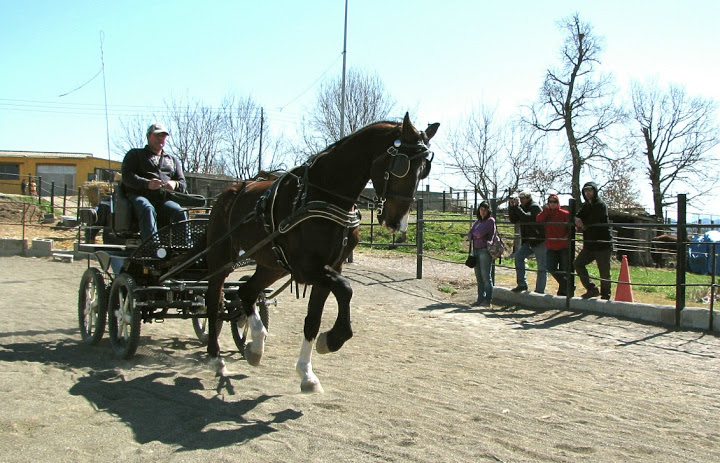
[400, 157]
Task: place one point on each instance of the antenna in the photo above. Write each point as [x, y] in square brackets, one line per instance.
[107, 123]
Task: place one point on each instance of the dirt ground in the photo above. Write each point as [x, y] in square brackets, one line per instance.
[426, 378]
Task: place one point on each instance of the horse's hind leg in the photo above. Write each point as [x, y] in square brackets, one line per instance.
[213, 301]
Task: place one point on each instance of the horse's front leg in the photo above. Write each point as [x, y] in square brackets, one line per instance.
[333, 340]
[254, 349]
[308, 381]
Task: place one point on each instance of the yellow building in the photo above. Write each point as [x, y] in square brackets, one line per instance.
[71, 169]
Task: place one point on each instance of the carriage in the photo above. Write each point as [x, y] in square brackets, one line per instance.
[163, 277]
[302, 224]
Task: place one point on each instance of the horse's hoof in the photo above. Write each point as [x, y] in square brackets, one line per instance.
[251, 357]
[311, 387]
[321, 344]
[220, 368]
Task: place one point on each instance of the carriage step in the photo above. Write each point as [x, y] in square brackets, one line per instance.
[63, 257]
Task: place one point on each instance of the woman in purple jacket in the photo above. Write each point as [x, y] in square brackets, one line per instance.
[481, 234]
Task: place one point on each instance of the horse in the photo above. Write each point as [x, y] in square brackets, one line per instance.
[663, 248]
[305, 224]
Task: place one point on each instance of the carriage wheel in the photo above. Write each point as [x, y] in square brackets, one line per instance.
[239, 327]
[92, 306]
[124, 317]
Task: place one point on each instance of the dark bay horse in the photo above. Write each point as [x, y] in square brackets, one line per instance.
[305, 224]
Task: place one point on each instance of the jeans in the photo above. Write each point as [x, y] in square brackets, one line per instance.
[483, 275]
[557, 259]
[602, 257]
[523, 252]
[148, 214]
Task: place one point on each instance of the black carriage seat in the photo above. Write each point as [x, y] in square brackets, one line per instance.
[123, 220]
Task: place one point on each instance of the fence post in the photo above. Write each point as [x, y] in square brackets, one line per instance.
[570, 264]
[712, 284]
[52, 197]
[681, 258]
[444, 201]
[65, 199]
[419, 238]
[39, 189]
[493, 212]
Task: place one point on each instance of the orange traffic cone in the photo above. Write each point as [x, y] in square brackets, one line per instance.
[623, 292]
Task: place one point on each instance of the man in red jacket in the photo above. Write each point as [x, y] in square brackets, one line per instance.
[556, 242]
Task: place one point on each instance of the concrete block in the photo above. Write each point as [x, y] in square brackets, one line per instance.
[695, 317]
[41, 248]
[12, 246]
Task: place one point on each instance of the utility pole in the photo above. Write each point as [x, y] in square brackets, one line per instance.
[342, 103]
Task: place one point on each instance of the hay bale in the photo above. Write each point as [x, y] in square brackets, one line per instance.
[94, 191]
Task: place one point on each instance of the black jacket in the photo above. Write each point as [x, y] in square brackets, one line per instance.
[533, 234]
[138, 168]
[596, 212]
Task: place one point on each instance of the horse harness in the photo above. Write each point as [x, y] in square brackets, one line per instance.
[401, 155]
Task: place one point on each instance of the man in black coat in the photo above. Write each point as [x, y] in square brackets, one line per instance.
[592, 219]
[532, 237]
[146, 174]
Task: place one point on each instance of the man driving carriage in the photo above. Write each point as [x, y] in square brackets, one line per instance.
[147, 174]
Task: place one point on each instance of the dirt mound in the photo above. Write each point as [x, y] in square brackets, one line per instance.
[13, 211]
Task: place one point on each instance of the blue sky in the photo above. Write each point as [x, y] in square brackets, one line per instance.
[437, 59]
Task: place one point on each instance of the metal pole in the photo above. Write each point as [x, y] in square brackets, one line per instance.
[52, 198]
[712, 286]
[569, 289]
[419, 238]
[681, 258]
[342, 102]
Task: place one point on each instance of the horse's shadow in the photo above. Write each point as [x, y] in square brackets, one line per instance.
[167, 407]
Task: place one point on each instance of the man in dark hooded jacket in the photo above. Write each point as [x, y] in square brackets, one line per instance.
[592, 219]
[532, 235]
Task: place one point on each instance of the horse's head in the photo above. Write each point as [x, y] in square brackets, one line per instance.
[396, 173]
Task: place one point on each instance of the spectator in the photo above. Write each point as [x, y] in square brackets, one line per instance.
[592, 219]
[33, 188]
[481, 234]
[146, 174]
[532, 238]
[23, 187]
[556, 243]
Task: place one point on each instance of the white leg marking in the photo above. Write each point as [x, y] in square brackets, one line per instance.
[308, 381]
[254, 349]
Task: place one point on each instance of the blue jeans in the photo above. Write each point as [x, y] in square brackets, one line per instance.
[148, 214]
[557, 259]
[523, 253]
[483, 275]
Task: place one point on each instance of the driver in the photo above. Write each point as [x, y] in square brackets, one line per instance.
[146, 173]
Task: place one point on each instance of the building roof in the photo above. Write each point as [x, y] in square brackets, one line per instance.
[43, 154]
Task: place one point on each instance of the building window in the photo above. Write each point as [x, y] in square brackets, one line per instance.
[9, 171]
[104, 175]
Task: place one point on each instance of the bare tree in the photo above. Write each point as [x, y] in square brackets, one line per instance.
[494, 155]
[678, 134]
[242, 128]
[366, 101]
[620, 190]
[132, 134]
[571, 101]
[196, 135]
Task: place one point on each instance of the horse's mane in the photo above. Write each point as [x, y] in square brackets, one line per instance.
[391, 125]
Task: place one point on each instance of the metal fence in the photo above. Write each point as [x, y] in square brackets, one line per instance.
[628, 238]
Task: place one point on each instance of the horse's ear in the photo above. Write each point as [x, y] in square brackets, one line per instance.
[408, 131]
[431, 130]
